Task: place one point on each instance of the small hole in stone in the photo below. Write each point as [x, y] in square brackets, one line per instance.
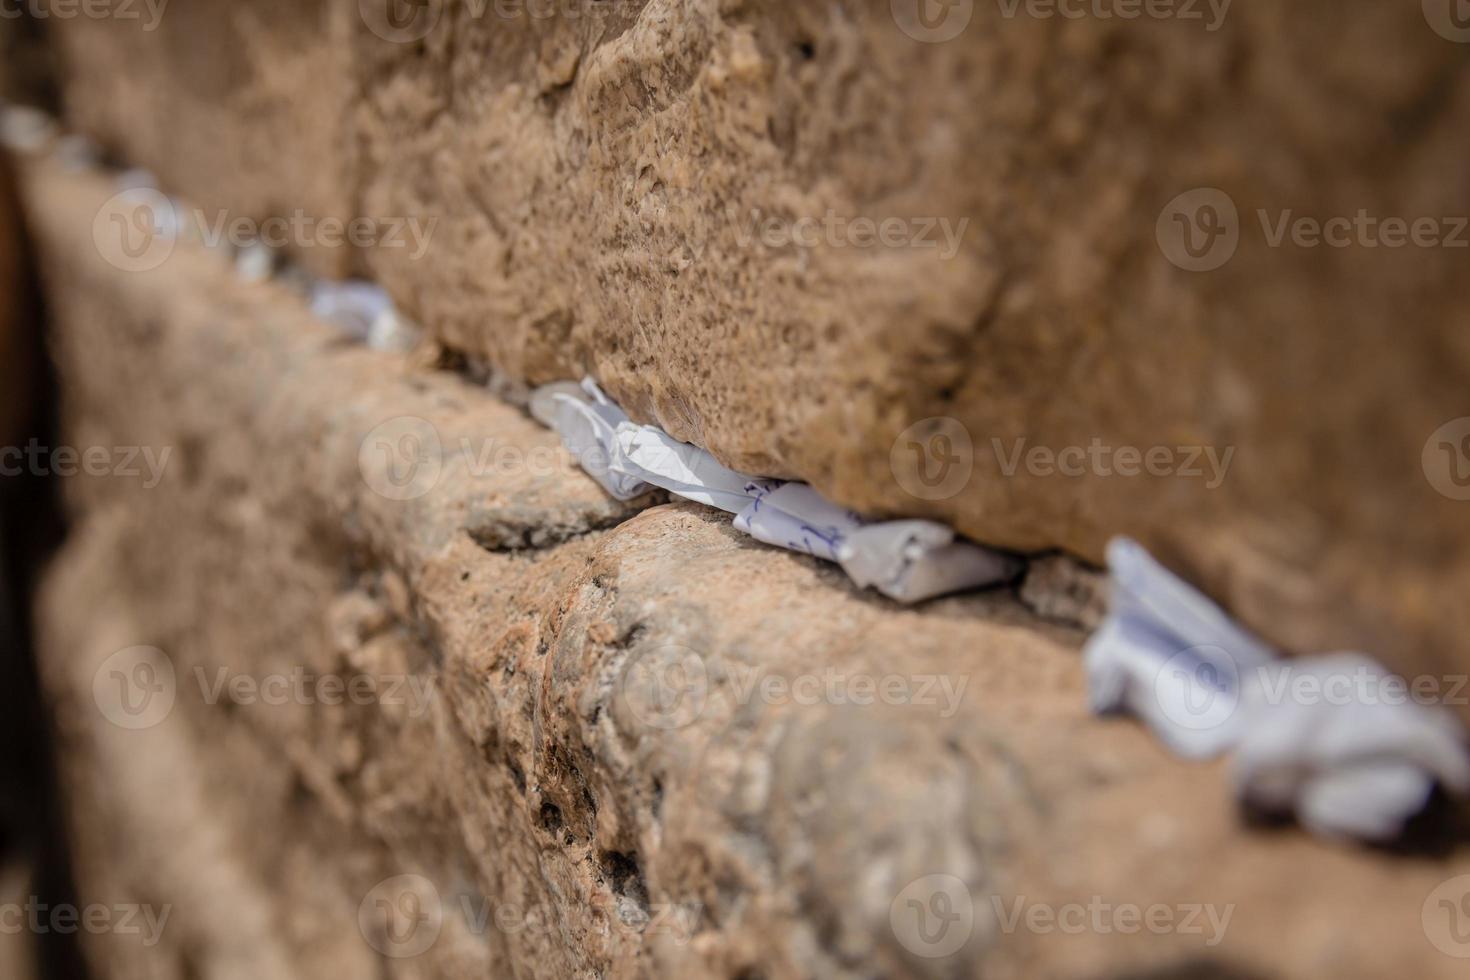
[551, 817]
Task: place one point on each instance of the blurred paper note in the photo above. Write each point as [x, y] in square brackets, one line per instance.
[1334, 739]
[909, 561]
[352, 306]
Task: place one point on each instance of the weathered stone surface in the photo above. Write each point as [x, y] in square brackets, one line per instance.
[598, 178]
[577, 810]
[240, 108]
[595, 178]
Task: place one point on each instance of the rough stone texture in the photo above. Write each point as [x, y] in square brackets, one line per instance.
[595, 176]
[538, 778]
[240, 108]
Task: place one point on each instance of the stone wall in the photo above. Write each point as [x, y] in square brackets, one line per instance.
[556, 815]
[613, 190]
[1036, 276]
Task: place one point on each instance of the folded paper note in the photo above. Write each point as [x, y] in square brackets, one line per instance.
[1169, 655]
[916, 560]
[907, 560]
[352, 306]
[796, 517]
[1334, 739]
[588, 423]
[687, 471]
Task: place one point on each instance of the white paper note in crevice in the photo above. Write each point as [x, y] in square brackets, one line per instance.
[1356, 763]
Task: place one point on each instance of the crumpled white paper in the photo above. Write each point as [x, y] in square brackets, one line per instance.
[255, 263]
[25, 129]
[393, 332]
[365, 312]
[916, 560]
[1340, 751]
[352, 306]
[588, 423]
[795, 517]
[1169, 655]
[687, 471]
[909, 561]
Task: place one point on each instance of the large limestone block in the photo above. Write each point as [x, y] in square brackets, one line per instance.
[615, 196]
[240, 108]
[672, 196]
[646, 752]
